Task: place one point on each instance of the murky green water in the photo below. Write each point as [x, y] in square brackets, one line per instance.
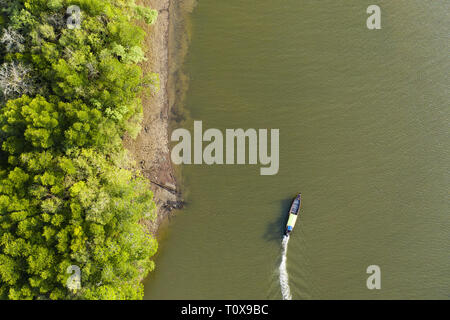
[363, 118]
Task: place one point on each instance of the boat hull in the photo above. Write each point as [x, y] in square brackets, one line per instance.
[293, 214]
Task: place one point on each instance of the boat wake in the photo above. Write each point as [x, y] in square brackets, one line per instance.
[284, 277]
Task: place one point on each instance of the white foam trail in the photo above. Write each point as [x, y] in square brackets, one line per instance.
[284, 277]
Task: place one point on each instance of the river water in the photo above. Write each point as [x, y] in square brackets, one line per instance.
[364, 135]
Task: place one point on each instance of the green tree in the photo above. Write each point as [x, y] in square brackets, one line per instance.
[68, 192]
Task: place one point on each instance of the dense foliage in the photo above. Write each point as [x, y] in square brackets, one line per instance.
[69, 195]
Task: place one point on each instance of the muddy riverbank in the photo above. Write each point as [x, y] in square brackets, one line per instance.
[151, 150]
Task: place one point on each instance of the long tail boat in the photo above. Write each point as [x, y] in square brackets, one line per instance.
[293, 214]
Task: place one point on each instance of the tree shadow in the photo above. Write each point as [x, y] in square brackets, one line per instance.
[275, 229]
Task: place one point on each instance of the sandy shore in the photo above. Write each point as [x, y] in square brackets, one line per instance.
[151, 149]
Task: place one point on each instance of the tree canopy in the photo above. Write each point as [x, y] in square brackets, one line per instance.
[69, 193]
